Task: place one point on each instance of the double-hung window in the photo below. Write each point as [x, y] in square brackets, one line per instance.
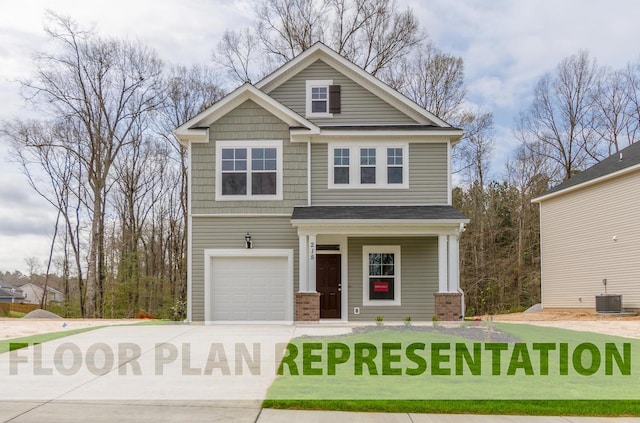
[367, 165]
[341, 166]
[356, 166]
[381, 270]
[323, 99]
[249, 170]
[394, 165]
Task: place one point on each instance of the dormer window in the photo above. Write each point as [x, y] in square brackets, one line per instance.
[323, 99]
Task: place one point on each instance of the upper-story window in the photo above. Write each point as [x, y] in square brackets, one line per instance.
[249, 170]
[369, 166]
[341, 166]
[323, 99]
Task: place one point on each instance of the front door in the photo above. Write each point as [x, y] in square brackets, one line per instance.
[329, 285]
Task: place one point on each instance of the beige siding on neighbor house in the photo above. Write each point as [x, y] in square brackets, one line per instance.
[358, 105]
[228, 233]
[428, 180]
[248, 122]
[419, 278]
[577, 246]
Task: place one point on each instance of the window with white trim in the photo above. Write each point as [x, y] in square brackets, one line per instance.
[394, 165]
[317, 104]
[249, 170]
[341, 166]
[381, 271]
[358, 166]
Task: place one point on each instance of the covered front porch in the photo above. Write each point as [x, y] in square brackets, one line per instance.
[359, 262]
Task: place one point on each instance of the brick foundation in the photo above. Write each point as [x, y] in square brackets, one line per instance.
[448, 305]
[307, 306]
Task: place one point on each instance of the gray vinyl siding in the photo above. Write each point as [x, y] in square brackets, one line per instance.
[419, 273]
[359, 106]
[247, 122]
[428, 180]
[229, 232]
[578, 250]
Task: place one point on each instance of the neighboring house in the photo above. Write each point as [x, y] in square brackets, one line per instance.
[590, 231]
[321, 193]
[34, 294]
[11, 293]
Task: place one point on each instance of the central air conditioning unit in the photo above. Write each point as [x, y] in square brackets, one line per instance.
[609, 303]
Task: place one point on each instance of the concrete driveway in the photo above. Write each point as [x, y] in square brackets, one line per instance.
[151, 373]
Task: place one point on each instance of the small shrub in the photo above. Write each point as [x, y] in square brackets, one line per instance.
[379, 320]
[407, 321]
[179, 310]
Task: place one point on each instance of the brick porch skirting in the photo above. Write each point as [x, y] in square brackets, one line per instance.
[448, 305]
[307, 306]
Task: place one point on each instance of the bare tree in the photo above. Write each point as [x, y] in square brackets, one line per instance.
[105, 87]
[189, 91]
[473, 155]
[236, 53]
[54, 172]
[371, 33]
[433, 79]
[616, 122]
[561, 116]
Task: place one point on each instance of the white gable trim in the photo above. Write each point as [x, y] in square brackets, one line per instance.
[586, 184]
[359, 75]
[196, 129]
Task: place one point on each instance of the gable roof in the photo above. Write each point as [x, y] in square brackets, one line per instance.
[627, 160]
[356, 73]
[196, 129]
[6, 293]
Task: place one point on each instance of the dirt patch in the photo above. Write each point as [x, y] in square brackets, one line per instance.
[625, 326]
[545, 316]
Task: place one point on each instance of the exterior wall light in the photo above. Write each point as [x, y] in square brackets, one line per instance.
[248, 241]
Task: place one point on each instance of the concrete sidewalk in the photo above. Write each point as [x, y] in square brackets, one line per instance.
[196, 412]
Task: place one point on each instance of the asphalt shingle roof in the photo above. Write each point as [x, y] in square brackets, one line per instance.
[377, 212]
[612, 164]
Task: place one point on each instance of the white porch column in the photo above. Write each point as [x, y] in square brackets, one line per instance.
[454, 264]
[312, 263]
[443, 253]
[303, 259]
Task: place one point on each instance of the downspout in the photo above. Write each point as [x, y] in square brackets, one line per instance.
[462, 306]
[309, 172]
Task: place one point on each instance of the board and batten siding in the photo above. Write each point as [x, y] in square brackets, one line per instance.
[578, 249]
[248, 122]
[428, 180]
[419, 278]
[228, 233]
[359, 106]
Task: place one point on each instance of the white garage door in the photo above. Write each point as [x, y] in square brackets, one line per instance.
[249, 289]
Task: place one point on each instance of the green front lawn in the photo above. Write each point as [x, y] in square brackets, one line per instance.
[329, 373]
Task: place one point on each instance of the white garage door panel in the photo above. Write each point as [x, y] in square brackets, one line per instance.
[249, 288]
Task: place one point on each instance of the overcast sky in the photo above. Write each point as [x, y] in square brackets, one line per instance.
[507, 45]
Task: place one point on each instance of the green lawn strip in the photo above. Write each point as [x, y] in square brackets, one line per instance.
[332, 392]
[489, 407]
[7, 345]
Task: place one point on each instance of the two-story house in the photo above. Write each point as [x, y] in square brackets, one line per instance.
[321, 193]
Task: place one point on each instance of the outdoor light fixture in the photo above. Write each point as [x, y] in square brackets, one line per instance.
[247, 240]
